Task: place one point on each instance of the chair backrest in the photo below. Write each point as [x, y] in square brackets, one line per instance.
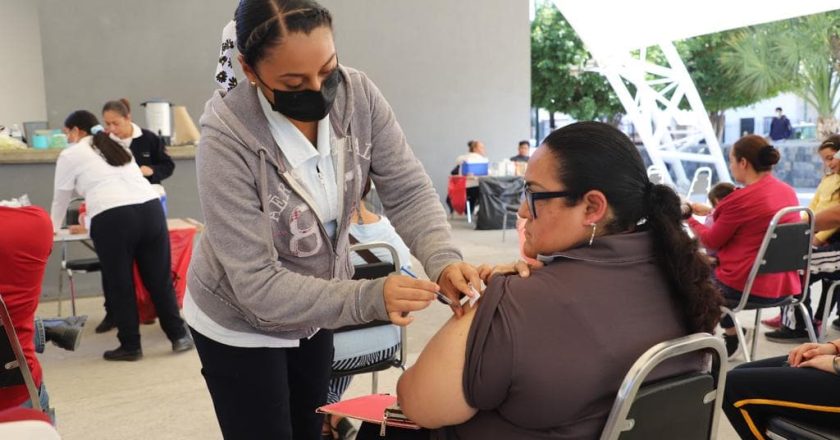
[701, 183]
[655, 175]
[687, 406]
[15, 369]
[372, 271]
[786, 247]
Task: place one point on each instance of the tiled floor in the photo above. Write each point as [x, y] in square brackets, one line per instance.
[163, 396]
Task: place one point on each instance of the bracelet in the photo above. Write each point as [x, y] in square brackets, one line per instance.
[836, 347]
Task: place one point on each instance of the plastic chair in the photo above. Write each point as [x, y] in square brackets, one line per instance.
[656, 175]
[780, 428]
[785, 248]
[686, 406]
[15, 368]
[371, 271]
[701, 183]
[70, 266]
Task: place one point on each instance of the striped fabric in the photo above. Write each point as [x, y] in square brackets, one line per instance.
[339, 384]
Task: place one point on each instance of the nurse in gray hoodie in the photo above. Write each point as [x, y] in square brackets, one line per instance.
[281, 166]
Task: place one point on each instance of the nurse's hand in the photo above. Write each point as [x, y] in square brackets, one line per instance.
[147, 171]
[521, 268]
[404, 295]
[459, 279]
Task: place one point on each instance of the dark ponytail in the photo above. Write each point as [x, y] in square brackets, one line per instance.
[597, 156]
[679, 257]
[755, 149]
[262, 24]
[113, 152]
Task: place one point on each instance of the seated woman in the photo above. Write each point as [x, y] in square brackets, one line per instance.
[740, 222]
[26, 241]
[543, 356]
[802, 386]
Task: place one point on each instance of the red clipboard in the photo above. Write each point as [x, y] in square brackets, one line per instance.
[369, 409]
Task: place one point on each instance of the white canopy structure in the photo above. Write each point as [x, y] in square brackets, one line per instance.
[618, 34]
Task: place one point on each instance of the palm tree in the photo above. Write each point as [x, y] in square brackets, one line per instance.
[800, 55]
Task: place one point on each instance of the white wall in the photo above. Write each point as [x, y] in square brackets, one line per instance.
[22, 96]
[794, 108]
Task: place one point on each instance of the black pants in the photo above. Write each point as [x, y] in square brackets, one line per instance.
[757, 391]
[268, 393]
[732, 297]
[121, 236]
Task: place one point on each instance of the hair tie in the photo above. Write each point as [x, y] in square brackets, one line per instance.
[225, 76]
[96, 129]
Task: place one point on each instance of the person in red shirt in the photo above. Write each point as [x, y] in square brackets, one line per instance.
[26, 238]
[740, 222]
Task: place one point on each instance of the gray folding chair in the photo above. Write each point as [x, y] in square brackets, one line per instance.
[786, 247]
[15, 368]
[829, 297]
[371, 271]
[686, 406]
[511, 210]
[70, 267]
[701, 183]
[656, 175]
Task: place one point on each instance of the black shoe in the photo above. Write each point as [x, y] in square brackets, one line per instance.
[787, 336]
[121, 354]
[731, 344]
[105, 325]
[836, 324]
[148, 321]
[183, 344]
[67, 336]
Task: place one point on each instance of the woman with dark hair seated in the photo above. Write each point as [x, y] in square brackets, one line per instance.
[740, 222]
[127, 225]
[802, 386]
[543, 356]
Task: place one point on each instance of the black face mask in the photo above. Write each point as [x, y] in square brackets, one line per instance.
[308, 105]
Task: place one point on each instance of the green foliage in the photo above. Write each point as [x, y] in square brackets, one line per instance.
[559, 82]
[718, 87]
[797, 55]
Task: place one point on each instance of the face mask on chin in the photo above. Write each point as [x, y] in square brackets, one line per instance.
[308, 105]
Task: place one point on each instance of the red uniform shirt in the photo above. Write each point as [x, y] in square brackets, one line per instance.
[741, 220]
[26, 238]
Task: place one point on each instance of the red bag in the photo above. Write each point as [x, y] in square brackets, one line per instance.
[181, 245]
[457, 193]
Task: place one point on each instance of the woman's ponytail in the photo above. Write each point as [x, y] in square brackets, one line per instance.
[679, 258]
[113, 152]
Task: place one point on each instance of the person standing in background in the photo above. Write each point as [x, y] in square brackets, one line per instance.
[524, 152]
[780, 128]
[147, 148]
[127, 225]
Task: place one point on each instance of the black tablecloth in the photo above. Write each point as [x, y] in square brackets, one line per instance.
[496, 192]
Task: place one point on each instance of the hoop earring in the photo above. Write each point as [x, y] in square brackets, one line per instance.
[592, 237]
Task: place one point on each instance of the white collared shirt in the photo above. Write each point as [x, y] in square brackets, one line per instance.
[81, 169]
[136, 132]
[312, 167]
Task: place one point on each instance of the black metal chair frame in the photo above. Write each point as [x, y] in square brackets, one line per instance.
[382, 268]
[73, 266]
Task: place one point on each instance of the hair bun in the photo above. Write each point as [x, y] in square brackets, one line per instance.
[769, 155]
[126, 104]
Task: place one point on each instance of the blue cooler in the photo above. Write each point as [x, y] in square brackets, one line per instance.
[474, 168]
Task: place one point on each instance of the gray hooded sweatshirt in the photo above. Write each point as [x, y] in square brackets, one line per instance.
[265, 263]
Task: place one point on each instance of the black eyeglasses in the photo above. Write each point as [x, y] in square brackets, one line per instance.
[531, 197]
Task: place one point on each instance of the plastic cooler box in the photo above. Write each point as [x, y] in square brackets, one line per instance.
[474, 168]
